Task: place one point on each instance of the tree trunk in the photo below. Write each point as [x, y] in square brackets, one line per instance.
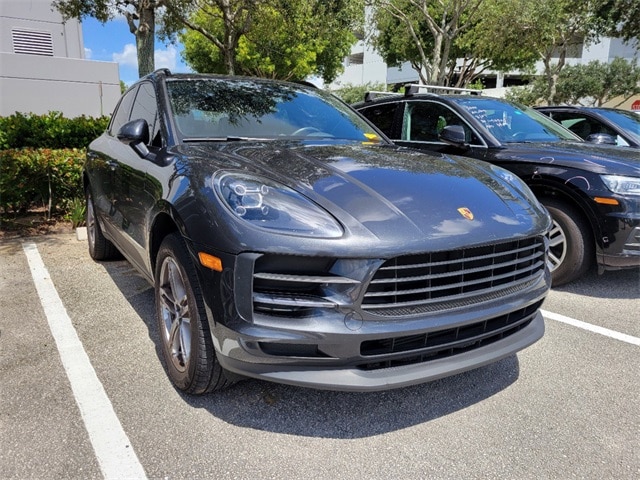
[145, 38]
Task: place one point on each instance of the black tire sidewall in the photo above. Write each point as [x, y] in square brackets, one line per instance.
[99, 247]
[201, 347]
[579, 244]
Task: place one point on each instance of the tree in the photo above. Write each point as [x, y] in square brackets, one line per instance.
[591, 84]
[596, 83]
[140, 15]
[431, 28]
[274, 38]
[620, 18]
[551, 30]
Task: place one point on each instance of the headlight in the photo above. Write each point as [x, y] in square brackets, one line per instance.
[516, 182]
[273, 206]
[622, 185]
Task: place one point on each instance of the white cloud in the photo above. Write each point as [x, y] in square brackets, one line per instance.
[88, 53]
[128, 57]
[166, 58]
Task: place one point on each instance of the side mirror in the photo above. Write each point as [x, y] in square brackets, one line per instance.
[453, 135]
[602, 139]
[135, 134]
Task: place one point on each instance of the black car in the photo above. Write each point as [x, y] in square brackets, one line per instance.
[288, 240]
[592, 191]
[597, 124]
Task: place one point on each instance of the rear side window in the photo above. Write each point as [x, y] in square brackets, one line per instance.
[382, 117]
[123, 111]
[581, 125]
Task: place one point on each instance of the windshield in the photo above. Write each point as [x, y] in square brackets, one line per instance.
[628, 121]
[221, 109]
[510, 123]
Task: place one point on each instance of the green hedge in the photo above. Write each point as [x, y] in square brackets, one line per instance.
[51, 130]
[40, 177]
[41, 159]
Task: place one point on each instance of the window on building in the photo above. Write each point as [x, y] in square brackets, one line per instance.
[355, 59]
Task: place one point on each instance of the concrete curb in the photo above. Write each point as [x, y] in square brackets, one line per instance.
[81, 233]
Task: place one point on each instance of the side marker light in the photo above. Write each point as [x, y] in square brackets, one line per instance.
[606, 201]
[209, 261]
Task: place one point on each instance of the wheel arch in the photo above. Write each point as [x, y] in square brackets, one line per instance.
[572, 198]
[165, 222]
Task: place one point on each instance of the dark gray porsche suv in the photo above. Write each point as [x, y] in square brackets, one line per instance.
[288, 240]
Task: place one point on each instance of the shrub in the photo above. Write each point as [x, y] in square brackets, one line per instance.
[40, 177]
[51, 130]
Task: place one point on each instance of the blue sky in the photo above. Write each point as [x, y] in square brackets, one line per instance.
[112, 42]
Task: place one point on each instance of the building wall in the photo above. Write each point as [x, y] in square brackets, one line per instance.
[42, 64]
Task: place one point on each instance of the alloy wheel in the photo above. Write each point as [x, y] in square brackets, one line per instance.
[175, 314]
[557, 246]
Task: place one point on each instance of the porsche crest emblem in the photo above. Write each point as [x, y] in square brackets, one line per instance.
[466, 213]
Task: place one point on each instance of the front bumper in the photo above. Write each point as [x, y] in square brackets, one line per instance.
[623, 249]
[366, 324]
[234, 355]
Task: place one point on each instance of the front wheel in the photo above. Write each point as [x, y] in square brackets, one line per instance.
[571, 248]
[187, 347]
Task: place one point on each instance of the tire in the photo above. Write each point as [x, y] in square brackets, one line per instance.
[185, 338]
[571, 246]
[99, 247]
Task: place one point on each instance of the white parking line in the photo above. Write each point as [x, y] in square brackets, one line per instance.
[623, 337]
[110, 443]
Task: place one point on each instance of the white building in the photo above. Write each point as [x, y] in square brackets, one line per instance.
[43, 68]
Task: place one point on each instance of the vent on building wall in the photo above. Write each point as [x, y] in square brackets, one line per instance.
[32, 42]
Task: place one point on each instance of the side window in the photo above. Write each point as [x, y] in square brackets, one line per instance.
[382, 117]
[145, 106]
[425, 120]
[121, 114]
[582, 125]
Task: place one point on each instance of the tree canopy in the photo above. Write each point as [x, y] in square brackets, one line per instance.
[273, 38]
[591, 84]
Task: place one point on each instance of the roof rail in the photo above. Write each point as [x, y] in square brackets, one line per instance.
[373, 94]
[414, 88]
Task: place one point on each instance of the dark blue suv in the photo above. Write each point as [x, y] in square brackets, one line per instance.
[592, 191]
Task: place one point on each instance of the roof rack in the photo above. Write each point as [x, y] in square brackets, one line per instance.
[414, 88]
[373, 94]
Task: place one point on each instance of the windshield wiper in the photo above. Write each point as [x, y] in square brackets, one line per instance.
[225, 139]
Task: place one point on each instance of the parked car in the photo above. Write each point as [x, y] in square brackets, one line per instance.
[592, 191]
[288, 240]
[599, 125]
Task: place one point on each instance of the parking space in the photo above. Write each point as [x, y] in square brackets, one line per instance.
[569, 406]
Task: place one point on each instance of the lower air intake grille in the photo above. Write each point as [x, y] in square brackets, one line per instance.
[445, 343]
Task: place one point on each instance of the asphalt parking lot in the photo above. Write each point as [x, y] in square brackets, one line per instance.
[567, 407]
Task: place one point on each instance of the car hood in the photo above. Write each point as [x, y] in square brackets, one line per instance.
[601, 159]
[388, 193]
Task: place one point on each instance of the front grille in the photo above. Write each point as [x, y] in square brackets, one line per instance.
[431, 346]
[417, 284]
